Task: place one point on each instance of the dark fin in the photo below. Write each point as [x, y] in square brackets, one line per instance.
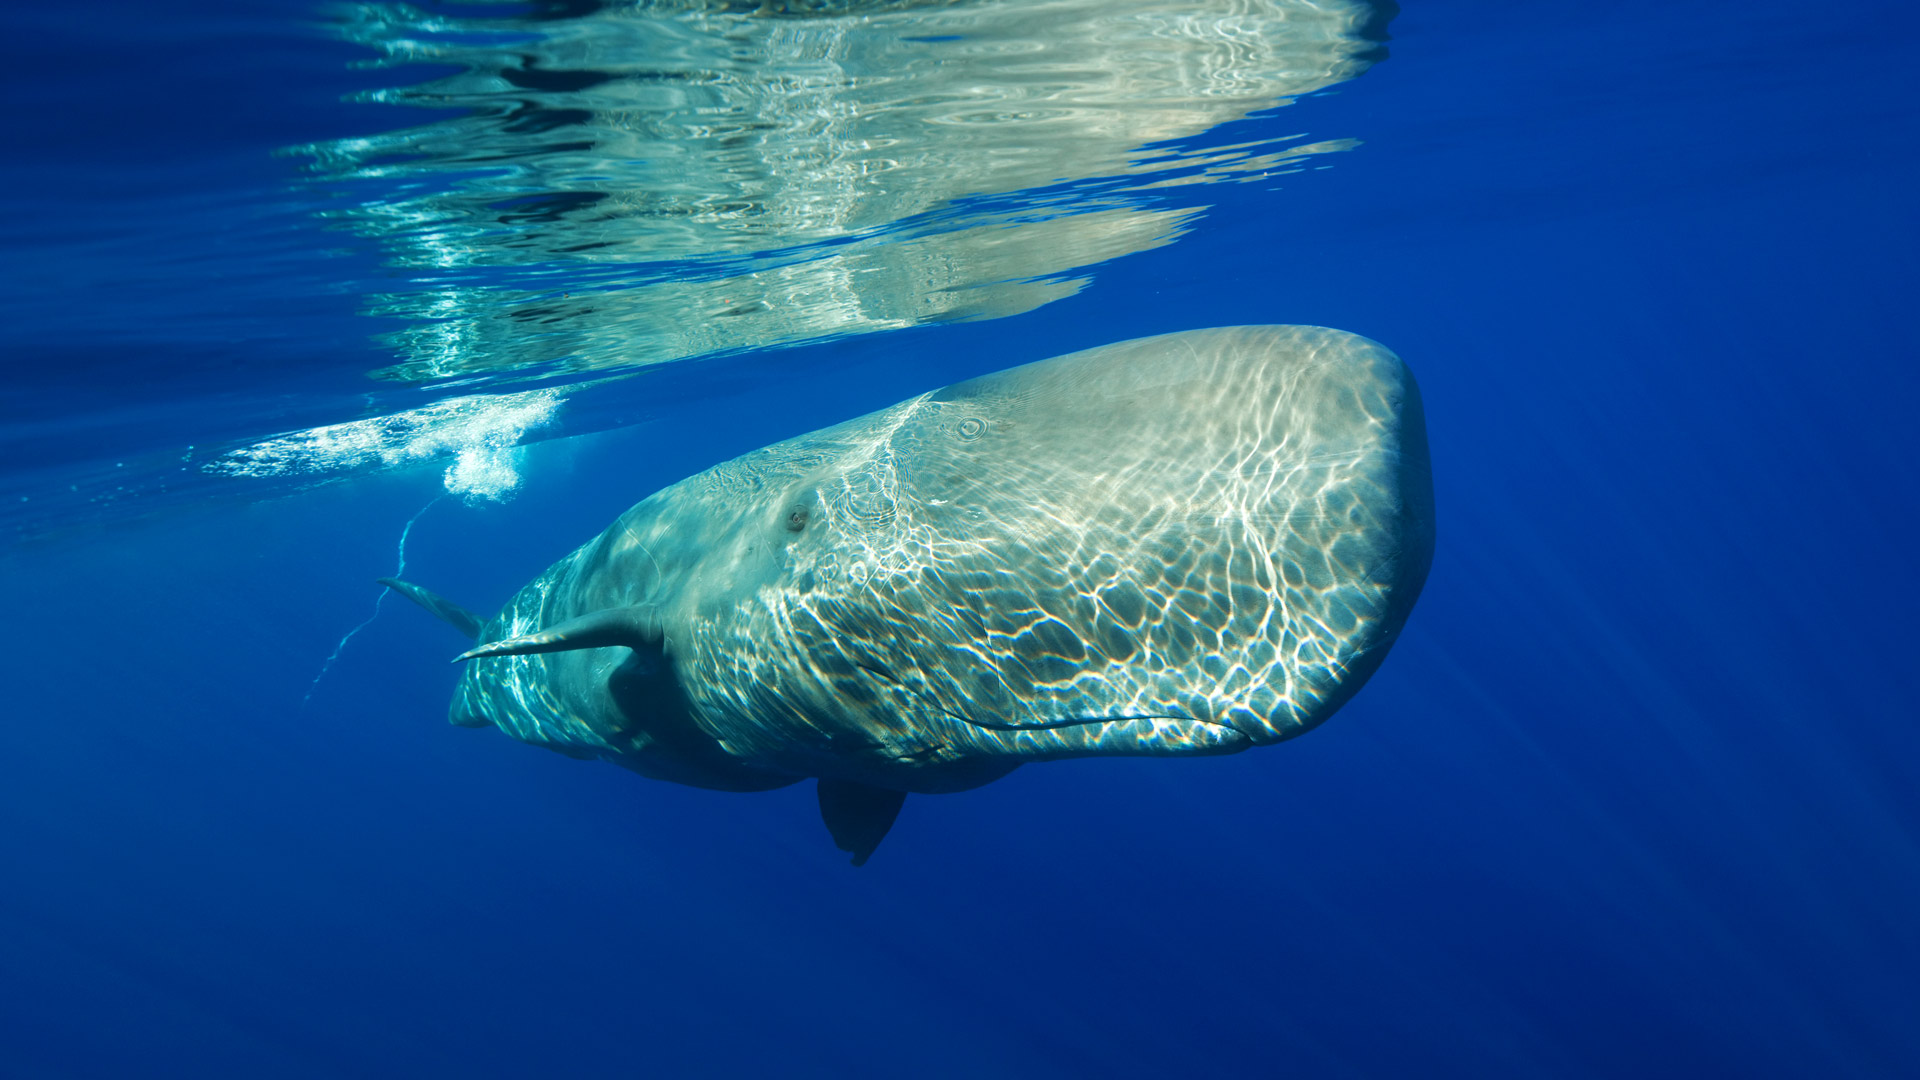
[635, 628]
[455, 616]
[858, 815]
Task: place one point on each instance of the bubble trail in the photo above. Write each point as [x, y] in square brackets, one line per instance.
[400, 570]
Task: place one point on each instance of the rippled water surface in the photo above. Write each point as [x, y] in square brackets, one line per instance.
[299, 294]
[656, 182]
[548, 193]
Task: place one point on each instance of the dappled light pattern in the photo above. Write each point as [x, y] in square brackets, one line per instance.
[1193, 543]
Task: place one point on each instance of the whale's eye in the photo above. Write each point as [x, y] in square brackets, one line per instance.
[972, 428]
[796, 519]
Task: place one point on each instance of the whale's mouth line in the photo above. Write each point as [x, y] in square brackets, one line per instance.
[1079, 721]
[1226, 730]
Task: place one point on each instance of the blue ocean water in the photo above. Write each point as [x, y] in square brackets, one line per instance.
[1637, 793]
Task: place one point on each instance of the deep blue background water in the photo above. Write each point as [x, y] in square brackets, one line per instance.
[1636, 794]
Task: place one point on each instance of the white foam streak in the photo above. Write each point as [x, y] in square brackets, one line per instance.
[479, 432]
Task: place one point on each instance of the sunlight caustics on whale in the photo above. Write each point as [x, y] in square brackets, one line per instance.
[1188, 544]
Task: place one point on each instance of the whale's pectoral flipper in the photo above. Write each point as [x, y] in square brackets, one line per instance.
[453, 614]
[858, 815]
[634, 627]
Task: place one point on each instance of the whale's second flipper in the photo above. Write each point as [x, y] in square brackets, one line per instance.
[455, 616]
[858, 815]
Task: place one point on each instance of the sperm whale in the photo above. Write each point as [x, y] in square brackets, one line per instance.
[1195, 543]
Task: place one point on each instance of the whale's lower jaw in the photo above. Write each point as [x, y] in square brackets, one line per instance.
[974, 754]
[1119, 736]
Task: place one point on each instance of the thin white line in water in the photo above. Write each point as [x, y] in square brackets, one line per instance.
[399, 571]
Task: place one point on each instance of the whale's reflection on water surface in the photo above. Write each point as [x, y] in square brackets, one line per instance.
[629, 184]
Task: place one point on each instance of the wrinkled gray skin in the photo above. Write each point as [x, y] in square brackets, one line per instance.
[1186, 544]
